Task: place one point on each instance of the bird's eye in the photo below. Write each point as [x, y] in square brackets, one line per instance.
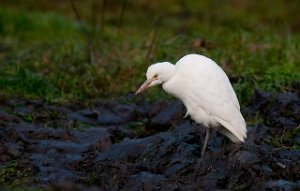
[155, 76]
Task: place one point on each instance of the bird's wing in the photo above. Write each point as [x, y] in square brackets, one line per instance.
[208, 87]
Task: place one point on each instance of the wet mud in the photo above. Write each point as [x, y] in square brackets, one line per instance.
[119, 145]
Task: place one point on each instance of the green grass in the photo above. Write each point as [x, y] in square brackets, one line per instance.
[287, 139]
[44, 52]
[16, 188]
[11, 173]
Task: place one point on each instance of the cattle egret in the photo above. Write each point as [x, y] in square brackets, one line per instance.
[205, 91]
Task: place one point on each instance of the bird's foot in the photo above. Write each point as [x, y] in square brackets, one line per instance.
[186, 115]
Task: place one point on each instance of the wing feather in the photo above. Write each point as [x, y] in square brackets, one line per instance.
[208, 89]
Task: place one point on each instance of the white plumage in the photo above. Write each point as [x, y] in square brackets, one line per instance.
[206, 92]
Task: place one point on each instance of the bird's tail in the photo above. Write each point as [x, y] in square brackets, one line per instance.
[235, 130]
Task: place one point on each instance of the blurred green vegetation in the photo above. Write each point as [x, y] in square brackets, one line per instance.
[44, 51]
[287, 140]
[12, 174]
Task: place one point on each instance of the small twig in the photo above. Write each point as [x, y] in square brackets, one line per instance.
[75, 11]
[151, 46]
[90, 48]
[94, 5]
[121, 16]
[101, 24]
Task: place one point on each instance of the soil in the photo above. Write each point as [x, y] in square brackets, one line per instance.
[120, 145]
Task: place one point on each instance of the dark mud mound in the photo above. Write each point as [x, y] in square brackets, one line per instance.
[147, 146]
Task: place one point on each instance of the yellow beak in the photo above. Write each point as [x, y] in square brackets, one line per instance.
[144, 86]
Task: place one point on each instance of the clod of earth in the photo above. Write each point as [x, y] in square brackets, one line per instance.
[147, 146]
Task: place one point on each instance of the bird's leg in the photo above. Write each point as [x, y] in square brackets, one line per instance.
[207, 133]
[186, 114]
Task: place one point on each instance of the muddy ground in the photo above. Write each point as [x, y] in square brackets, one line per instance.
[120, 145]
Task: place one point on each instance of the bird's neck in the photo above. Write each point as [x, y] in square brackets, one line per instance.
[168, 80]
[169, 72]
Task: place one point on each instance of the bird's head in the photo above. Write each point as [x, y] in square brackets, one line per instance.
[157, 74]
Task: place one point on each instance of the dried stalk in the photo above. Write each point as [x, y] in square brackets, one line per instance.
[153, 39]
[121, 16]
[90, 48]
[101, 24]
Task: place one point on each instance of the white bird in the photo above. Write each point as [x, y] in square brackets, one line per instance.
[206, 92]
